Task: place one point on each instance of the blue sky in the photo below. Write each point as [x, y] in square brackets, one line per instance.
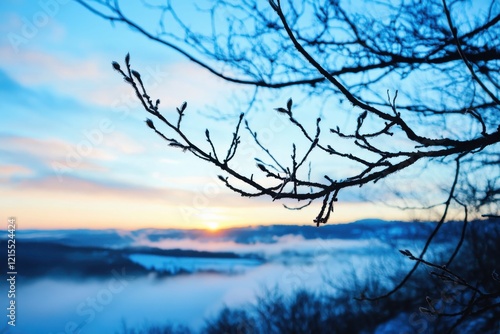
[75, 152]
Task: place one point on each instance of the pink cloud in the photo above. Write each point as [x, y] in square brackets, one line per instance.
[72, 185]
[49, 148]
[9, 171]
[35, 67]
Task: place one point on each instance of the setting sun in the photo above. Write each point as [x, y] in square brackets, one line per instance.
[213, 226]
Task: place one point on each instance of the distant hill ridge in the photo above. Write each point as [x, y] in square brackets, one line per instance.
[84, 252]
[362, 229]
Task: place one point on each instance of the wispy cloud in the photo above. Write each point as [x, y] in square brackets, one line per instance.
[85, 79]
[99, 188]
[92, 80]
[33, 68]
[7, 172]
[45, 152]
[122, 143]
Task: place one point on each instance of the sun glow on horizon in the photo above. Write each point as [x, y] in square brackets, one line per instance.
[212, 226]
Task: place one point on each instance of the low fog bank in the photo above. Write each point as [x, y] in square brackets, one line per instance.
[149, 277]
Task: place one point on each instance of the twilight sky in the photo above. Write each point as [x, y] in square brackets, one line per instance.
[75, 152]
